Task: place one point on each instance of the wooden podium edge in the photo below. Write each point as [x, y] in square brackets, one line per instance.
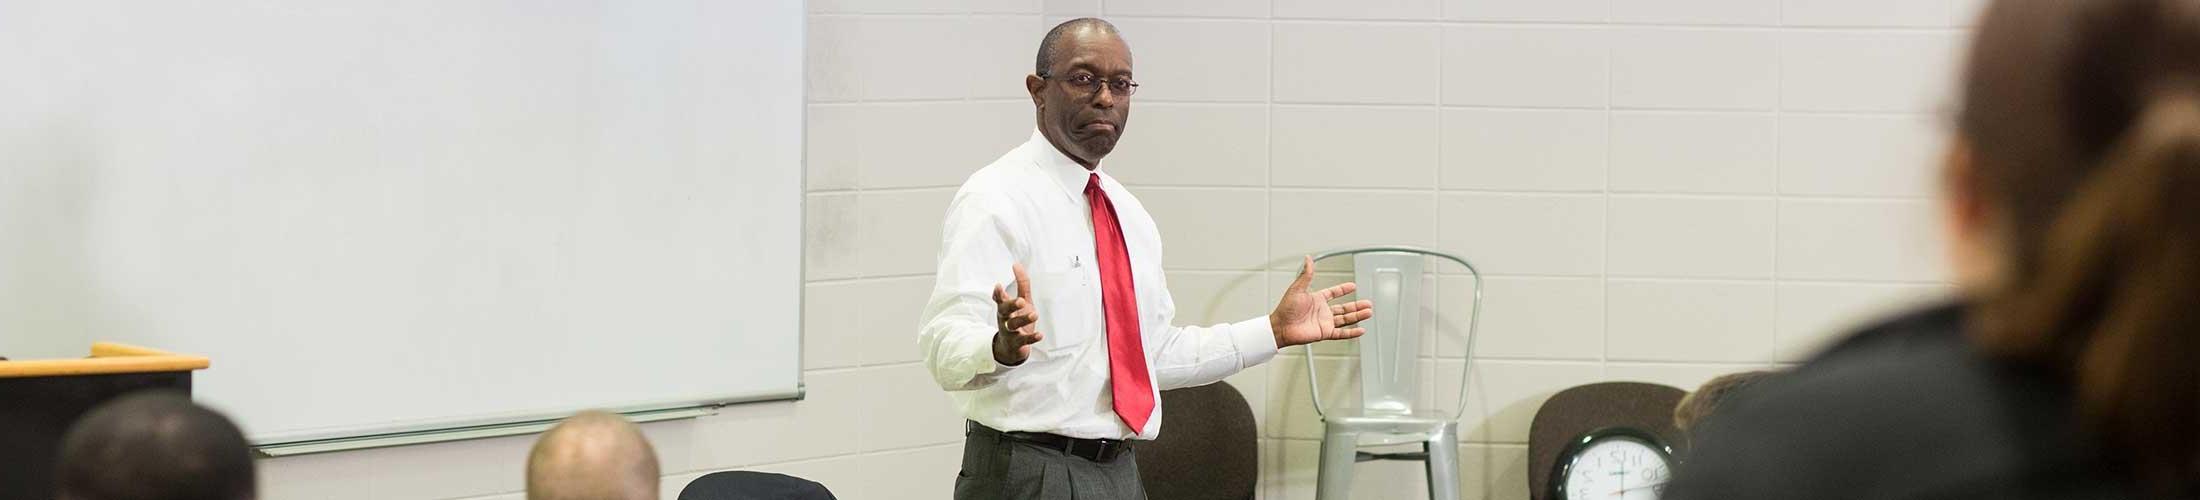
[106, 358]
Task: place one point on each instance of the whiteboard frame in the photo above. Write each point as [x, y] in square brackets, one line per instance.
[531, 422]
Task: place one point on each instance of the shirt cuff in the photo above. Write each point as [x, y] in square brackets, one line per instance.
[984, 368]
[999, 368]
[1255, 340]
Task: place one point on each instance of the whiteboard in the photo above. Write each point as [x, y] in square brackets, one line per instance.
[386, 216]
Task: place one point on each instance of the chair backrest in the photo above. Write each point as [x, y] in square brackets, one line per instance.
[1392, 278]
[1389, 353]
[1208, 448]
[751, 485]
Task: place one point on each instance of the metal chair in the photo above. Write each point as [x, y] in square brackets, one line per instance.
[1391, 278]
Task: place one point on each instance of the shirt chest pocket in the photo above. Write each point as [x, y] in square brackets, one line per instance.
[1067, 293]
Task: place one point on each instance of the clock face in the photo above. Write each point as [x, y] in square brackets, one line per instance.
[1617, 468]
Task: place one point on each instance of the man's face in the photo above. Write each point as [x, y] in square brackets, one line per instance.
[1085, 123]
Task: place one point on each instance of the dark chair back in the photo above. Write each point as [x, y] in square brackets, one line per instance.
[1590, 407]
[750, 485]
[1208, 449]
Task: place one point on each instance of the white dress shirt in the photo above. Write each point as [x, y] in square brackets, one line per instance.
[1029, 207]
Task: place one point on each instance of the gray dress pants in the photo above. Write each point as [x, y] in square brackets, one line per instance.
[997, 468]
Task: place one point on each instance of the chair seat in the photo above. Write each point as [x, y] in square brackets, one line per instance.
[1405, 427]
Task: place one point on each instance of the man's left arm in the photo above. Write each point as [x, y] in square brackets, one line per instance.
[1193, 356]
[1189, 356]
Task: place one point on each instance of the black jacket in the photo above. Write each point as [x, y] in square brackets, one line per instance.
[1906, 409]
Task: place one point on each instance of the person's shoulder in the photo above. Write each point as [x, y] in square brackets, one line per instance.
[1005, 174]
[1932, 329]
[993, 187]
[1902, 408]
[1914, 369]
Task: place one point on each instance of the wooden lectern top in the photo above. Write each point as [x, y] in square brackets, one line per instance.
[106, 358]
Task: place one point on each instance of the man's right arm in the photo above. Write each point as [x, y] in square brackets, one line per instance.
[961, 318]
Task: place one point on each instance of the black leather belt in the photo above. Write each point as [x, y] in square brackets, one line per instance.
[1097, 450]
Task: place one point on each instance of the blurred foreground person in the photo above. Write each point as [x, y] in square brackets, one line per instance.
[2070, 365]
[154, 445]
[592, 455]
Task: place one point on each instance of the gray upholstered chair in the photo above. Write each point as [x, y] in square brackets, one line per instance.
[1208, 448]
[1571, 412]
[1389, 354]
[751, 485]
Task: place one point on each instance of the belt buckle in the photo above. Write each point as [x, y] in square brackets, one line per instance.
[1103, 450]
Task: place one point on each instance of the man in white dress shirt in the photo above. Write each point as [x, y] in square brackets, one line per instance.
[1050, 323]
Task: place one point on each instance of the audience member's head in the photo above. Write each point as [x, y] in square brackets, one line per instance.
[154, 445]
[592, 456]
[1696, 406]
[2075, 206]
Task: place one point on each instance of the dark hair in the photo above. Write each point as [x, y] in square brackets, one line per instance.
[1051, 43]
[2083, 118]
[154, 445]
[1697, 405]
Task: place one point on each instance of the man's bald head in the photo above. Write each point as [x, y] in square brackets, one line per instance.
[593, 455]
[1050, 46]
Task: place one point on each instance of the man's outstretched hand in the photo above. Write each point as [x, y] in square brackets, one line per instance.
[1304, 317]
[1014, 332]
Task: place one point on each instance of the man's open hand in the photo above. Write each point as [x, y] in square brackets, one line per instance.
[1304, 317]
[1015, 334]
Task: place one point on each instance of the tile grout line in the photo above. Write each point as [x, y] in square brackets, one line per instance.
[1779, 133]
[1604, 275]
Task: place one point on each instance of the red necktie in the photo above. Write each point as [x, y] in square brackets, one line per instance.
[1119, 301]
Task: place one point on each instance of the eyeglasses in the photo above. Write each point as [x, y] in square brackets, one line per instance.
[1090, 84]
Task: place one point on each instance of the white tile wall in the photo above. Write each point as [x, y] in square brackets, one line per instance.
[1495, 65]
[829, 235]
[1362, 9]
[1696, 12]
[1358, 63]
[829, 59]
[1817, 240]
[1176, 8]
[1193, 145]
[1000, 52]
[1772, 163]
[885, 325]
[832, 164]
[1870, 155]
[1902, 13]
[1206, 228]
[1575, 11]
[831, 335]
[1524, 149]
[884, 52]
[1910, 72]
[1526, 318]
[1306, 222]
[1337, 146]
[1196, 60]
[899, 231]
[1692, 237]
[1689, 321]
[1684, 68]
[1540, 234]
[1694, 152]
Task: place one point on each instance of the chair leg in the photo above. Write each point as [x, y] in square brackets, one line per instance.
[1443, 463]
[1340, 450]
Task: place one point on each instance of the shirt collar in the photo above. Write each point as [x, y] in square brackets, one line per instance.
[1068, 172]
